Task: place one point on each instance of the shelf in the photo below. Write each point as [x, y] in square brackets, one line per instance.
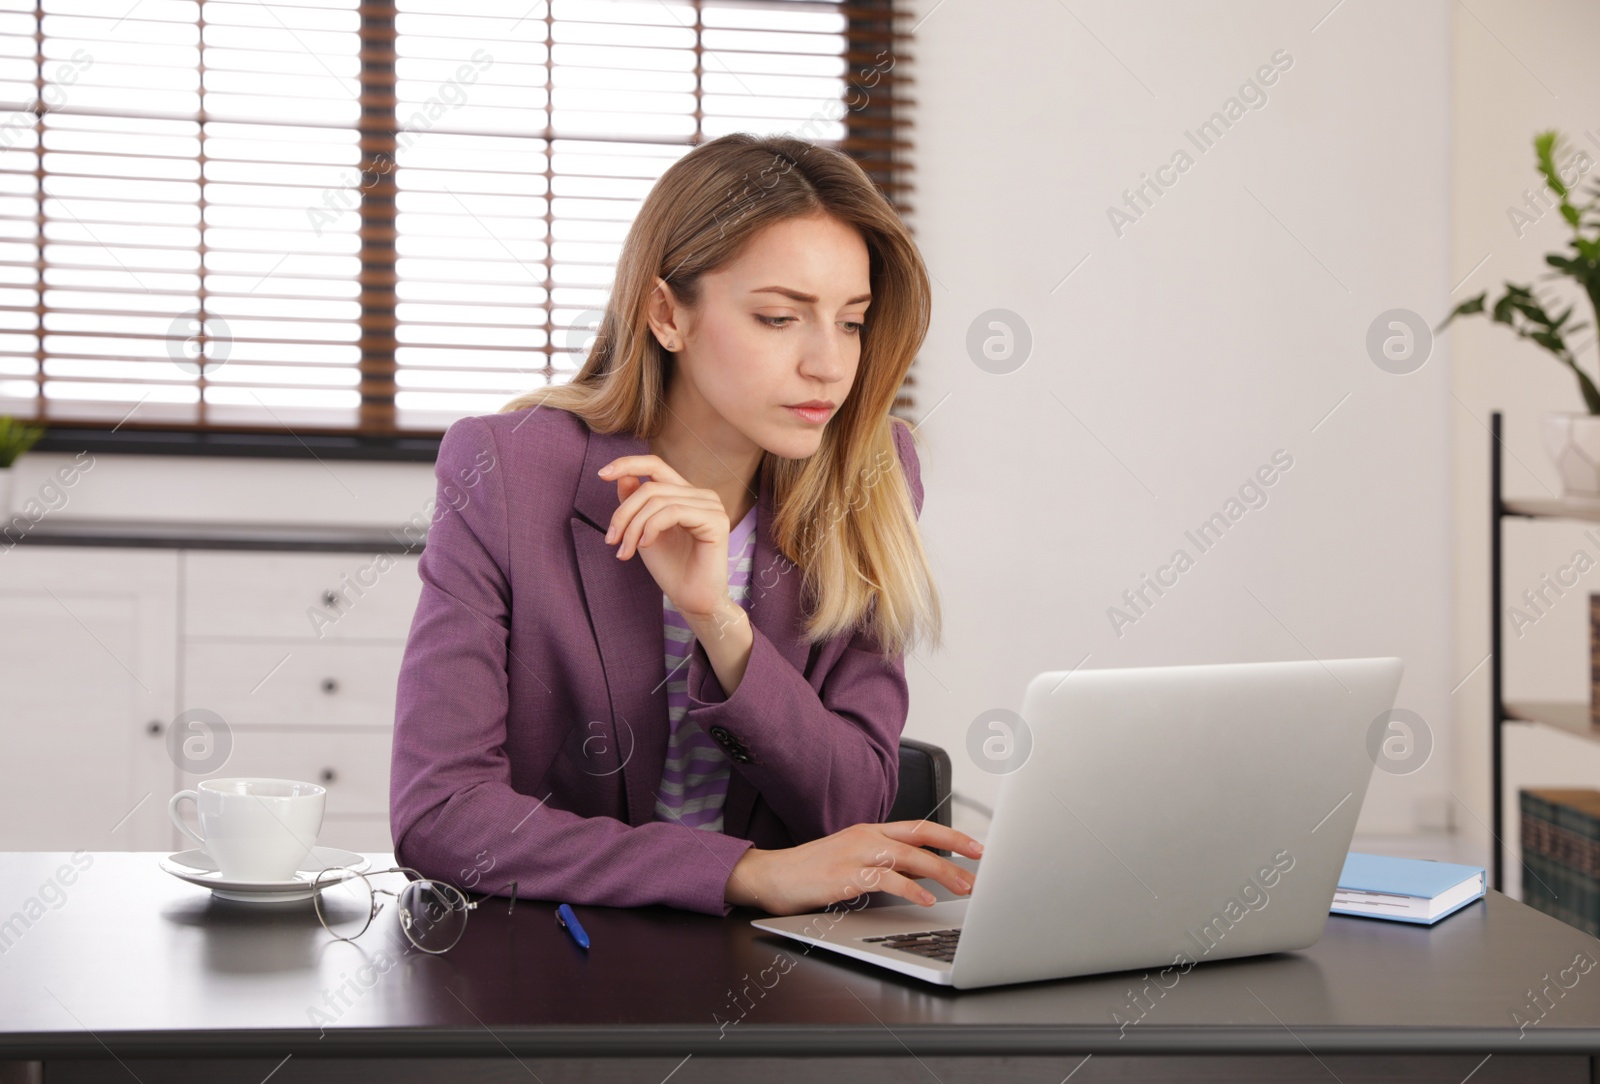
[1571, 716]
[1579, 508]
[1562, 716]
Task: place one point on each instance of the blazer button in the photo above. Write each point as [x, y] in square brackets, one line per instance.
[719, 735]
[740, 755]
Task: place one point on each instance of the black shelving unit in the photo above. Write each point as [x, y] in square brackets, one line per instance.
[1569, 717]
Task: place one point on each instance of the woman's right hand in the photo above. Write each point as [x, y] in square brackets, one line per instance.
[862, 858]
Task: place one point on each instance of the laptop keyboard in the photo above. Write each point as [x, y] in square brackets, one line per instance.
[931, 944]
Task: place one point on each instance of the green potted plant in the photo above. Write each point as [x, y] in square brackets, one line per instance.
[15, 439]
[1572, 439]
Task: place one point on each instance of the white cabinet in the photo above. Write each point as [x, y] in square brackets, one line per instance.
[87, 685]
[299, 596]
[271, 682]
[293, 658]
[299, 654]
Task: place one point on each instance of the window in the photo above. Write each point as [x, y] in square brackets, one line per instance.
[368, 218]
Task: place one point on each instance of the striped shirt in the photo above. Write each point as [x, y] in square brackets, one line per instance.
[694, 778]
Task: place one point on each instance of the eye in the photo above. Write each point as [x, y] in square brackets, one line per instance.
[855, 327]
[775, 321]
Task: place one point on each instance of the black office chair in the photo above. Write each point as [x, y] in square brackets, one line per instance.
[924, 786]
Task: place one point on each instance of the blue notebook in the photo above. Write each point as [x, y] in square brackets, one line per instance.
[1405, 889]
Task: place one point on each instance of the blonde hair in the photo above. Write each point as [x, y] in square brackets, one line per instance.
[844, 516]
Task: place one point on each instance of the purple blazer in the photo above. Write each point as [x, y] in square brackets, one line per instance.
[531, 713]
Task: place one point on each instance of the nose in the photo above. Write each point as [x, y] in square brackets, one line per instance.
[827, 355]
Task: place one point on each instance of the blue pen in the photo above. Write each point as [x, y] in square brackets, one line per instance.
[565, 916]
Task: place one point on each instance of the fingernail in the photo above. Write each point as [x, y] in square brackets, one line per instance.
[966, 886]
[977, 847]
[611, 535]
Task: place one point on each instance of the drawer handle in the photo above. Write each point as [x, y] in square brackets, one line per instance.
[330, 600]
[328, 775]
[330, 686]
[153, 728]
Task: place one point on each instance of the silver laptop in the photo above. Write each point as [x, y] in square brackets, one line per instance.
[1164, 817]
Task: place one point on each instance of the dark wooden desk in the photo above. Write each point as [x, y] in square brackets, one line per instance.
[128, 970]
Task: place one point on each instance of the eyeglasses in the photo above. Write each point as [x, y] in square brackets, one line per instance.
[433, 914]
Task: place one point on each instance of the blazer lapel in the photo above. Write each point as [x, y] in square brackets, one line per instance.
[625, 610]
[624, 604]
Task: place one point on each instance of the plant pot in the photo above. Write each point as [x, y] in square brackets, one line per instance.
[1573, 443]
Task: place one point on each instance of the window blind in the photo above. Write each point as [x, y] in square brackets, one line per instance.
[363, 217]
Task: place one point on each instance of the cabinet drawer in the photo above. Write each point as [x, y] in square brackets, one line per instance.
[291, 683]
[354, 766]
[311, 596]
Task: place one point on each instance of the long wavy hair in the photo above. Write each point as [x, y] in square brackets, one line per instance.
[844, 515]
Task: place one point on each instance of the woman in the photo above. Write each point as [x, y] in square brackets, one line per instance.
[721, 479]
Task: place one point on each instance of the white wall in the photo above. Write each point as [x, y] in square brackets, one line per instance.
[1225, 324]
[1520, 68]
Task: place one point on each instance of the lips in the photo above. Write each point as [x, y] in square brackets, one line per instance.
[816, 412]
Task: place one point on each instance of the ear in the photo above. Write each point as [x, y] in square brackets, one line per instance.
[665, 315]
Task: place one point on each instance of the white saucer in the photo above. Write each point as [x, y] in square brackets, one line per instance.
[196, 867]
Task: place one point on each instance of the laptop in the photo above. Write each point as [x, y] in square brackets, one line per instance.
[1163, 817]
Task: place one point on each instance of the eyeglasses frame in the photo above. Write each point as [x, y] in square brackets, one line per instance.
[413, 877]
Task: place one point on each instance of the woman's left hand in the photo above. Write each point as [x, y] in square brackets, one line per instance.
[680, 532]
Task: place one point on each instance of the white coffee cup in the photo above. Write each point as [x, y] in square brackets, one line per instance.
[254, 829]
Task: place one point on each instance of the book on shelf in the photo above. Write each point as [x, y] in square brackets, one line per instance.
[1560, 837]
